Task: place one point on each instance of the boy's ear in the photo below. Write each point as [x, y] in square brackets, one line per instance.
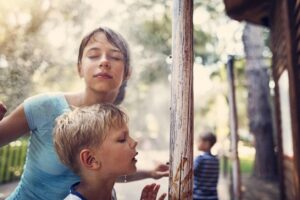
[88, 159]
[79, 69]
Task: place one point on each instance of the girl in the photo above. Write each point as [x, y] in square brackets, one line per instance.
[104, 64]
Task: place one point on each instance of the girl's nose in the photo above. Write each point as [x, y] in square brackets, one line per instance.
[104, 61]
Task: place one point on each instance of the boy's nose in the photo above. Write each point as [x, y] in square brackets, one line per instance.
[133, 143]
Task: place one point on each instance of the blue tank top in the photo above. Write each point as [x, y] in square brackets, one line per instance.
[44, 176]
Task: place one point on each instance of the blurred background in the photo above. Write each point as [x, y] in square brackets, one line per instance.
[39, 41]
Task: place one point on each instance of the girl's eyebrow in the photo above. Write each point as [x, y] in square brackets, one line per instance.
[94, 49]
[98, 49]
[115, 50]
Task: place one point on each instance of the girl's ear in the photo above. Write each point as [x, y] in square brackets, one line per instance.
[126, 78]
[88, 159]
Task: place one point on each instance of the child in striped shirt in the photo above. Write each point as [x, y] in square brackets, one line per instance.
[206, 169]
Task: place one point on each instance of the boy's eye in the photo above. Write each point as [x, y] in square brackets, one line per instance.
[122, 140]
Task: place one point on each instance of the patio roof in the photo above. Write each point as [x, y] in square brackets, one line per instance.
[254, 11]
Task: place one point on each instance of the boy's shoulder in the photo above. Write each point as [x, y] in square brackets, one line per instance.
[72, 197]
[206, 155]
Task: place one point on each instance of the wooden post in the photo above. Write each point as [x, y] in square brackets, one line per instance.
[181, 144]
[236, 176]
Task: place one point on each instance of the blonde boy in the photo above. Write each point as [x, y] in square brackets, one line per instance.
[95, 143]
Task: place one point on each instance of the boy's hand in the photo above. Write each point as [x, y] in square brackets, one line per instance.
[161, 170]
[2, 110]
[150, 192]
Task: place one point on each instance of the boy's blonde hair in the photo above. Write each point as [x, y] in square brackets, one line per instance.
[84, 128]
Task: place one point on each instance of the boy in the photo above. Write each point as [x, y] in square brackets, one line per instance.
[206, 169]
[95, 143]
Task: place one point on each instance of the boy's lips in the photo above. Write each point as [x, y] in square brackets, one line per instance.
[134, 159]
[103, 75]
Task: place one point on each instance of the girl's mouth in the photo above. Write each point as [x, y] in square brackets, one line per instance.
[103, 75]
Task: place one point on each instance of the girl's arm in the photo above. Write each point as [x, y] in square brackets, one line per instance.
[161, 170]
[13, 126]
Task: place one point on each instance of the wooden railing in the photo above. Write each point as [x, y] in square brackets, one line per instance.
[12, 159]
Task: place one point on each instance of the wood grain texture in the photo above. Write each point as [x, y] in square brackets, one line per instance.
[181, 130]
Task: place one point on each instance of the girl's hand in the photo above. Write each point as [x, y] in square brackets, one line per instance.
[150, 192]
[2, 110]
[161, 170]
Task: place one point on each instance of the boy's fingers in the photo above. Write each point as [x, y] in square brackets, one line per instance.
[156, 188]
[150, 192]
[162, 197]
[155, 191]
[145, 191]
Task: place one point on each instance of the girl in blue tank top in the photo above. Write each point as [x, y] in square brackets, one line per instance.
[104, 65]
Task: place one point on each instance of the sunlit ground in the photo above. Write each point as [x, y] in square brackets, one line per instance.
[148, 159]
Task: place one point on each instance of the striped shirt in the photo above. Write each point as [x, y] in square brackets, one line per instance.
[206, 174]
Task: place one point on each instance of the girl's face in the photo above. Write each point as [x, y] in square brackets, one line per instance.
[102, 65]
[117, 153]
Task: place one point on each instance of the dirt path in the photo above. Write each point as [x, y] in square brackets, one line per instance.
[261, 190]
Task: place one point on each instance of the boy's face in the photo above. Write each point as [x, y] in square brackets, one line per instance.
[203, 145]
[117, 153]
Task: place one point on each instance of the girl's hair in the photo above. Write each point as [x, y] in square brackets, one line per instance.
[84, 127]
[118, 41]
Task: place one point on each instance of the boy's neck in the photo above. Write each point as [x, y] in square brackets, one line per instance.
[96, 190]
[207, 151]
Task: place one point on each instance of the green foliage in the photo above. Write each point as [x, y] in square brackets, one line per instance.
[12, 159]
[246, 164]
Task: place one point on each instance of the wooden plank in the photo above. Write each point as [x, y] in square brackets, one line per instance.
[181, 131]
[249, 10]
[289, 174]
[236, 173]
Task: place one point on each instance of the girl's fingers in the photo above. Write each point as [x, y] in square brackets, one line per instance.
[2, 110]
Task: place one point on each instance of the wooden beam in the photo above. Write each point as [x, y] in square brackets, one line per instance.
[254, 11]
[236, 174]
[181, 131]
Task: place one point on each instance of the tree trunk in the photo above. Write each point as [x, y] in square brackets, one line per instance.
[259, 107]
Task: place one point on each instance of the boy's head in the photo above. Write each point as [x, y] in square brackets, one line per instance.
[206, 141]
[85, 128]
